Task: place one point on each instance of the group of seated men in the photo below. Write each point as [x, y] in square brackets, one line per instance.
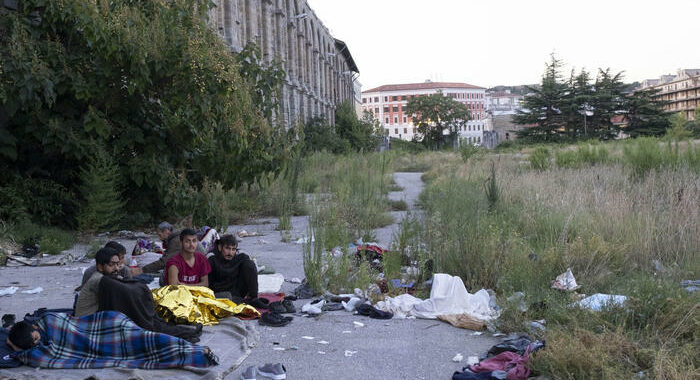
[109, 286]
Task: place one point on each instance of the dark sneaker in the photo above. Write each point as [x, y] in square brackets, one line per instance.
[274, 320]
[289, 306]
[259, 303]
[277, 307]
[212, 358]
[249, 373]
[273, 371]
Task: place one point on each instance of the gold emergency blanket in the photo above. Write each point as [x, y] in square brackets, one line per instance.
[196, 304]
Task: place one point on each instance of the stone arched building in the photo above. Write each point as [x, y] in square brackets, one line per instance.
[320, 70]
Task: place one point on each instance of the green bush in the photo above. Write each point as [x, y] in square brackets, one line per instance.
[540, 159]
[101, 206]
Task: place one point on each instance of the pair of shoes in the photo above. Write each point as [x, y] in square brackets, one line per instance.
[269, 370]
[284, 306]
[274, 319]
[372, 312]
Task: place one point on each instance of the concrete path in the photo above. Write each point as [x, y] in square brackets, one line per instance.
[382, 349]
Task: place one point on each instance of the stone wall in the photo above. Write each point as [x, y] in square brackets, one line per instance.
[319, 67]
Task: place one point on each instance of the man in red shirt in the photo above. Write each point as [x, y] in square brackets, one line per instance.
[188, 267]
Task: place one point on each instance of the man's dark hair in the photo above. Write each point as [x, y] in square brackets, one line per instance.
[187, 232]
[224, 241]
[121, 250]
[21, 335]
[104, 255]
[228, 240]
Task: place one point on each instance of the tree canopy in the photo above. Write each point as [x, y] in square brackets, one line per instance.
[582, 108]
[147, 82]
[438, 118]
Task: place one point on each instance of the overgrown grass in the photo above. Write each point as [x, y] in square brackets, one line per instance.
[51, 240]
[607, 211]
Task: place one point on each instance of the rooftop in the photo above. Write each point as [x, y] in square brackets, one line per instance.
[427, 85]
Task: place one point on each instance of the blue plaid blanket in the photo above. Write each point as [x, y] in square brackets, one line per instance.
[107, 339]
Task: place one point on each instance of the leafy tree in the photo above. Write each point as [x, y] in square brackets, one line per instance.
[645, 116]
[438, 119]
[542, 108]
[607, 103]
[149, 80]
[679, 128]
[361, 134]
[577, 104]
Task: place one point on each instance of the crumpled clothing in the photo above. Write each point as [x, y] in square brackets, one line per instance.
[196, 304]
[516, 366]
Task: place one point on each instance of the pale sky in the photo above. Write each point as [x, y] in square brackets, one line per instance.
[507, 42]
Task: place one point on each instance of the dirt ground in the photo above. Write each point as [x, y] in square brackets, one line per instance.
[382, 349]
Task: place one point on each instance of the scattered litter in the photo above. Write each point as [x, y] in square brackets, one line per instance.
[305, 240]
[295, 280]
[262, 241]
[518, 299]
[691, 285]
[472, 360]
[598, 301]
[458, 358]
[36, 290]
[313, 308]
[347, 332]
[477, 333]
[278, 348]
[358, 324]
[8, 291]
[349, 353]
[498, 334]
[350, 305]
[565, 281]
[322, 342]
[658, 267]
[293, 348]
[322, 352]
[537, 325]
[307, 337]
[244, 233]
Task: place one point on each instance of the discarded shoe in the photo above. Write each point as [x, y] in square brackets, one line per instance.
[372, 312]
[277, 307]
[212, 358]
[273, 371]
[249, 373]
[274, 319]
[259, 303]
[288, 306]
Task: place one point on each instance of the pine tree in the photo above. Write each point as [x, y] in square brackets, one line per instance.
[542, 108]
[608, 102]
[645, 116]
[102, 206]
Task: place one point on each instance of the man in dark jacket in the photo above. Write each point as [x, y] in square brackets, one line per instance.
[171, 246]
[232, 271]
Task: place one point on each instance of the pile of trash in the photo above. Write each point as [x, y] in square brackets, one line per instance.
[449, 301]
[506, 360]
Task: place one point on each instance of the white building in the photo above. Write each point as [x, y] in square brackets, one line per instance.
[388, 104]
[503, 103]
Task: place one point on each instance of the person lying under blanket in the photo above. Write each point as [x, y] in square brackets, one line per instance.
[101, 340]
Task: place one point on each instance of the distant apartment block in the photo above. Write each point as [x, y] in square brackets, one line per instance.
[682, 91]
[388, 105]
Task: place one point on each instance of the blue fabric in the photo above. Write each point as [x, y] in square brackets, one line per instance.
[7, 360]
